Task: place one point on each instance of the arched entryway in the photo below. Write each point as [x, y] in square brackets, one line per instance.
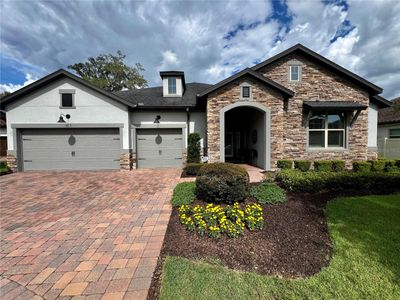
[245, 134]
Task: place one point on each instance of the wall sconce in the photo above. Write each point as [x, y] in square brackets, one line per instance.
[157, 119]
[61, 118]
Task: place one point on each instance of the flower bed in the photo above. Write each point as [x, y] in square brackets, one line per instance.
[215, 220]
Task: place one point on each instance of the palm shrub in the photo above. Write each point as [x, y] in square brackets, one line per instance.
[193, 155]
[222, 183]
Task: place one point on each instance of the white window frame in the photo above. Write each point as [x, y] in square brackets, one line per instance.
[245, 84]
[298, 73]
[72, 92]
[326, 130]
[176, 86]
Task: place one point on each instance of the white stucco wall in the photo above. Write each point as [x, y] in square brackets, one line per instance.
[197, 120]
[372, 125]
[43, 107]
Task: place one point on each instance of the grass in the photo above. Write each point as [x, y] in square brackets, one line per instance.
[268, 193]
[365, 232]
[183, 193]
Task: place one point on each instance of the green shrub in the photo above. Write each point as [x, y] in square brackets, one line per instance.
[193, 168]
[285, 164]
[377, 165]
[3, 166]
[222, 182]
[361, 166]
[390, 166]
[184, 193]
[323, 165]
[302, 165]
[268, 193]
[193, 154]
[372, 182]
[338, 165]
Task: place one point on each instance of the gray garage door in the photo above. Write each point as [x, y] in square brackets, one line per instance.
[159, 148]
[71, 149]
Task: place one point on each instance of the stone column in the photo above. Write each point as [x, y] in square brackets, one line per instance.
[12, 162]
[126, 161]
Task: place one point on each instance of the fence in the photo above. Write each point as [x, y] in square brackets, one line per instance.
[389, 148]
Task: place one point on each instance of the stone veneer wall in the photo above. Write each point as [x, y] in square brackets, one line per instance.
[126, 161]
[288, 136]
[12, 162]
[231, 94]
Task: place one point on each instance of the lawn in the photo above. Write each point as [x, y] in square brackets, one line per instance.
[365, 232]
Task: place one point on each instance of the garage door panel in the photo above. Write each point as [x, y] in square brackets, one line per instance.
[71, 149]
[159, 148]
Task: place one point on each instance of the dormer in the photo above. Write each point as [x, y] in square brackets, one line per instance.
[173, 83]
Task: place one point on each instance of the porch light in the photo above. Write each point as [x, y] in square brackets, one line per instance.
[61, 119]
[157, 119]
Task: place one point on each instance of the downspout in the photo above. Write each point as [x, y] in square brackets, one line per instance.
[187, 123]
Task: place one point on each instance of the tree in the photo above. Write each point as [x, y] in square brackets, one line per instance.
[110, 72]
[193, 154]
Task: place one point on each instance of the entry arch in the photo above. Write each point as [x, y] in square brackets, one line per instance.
[266, 138]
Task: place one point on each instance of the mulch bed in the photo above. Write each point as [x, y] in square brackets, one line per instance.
[294, 242]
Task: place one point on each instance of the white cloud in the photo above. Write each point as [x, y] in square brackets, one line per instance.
[10, 88]
[190, 35]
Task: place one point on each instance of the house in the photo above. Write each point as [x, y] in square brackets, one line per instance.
[3, 135]
[294, 105]
[389, 130]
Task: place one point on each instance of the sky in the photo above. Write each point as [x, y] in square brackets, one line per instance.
[208, 40]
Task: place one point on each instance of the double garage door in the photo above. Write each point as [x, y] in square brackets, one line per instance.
[97, 149]
[159, 148]
[71, 149]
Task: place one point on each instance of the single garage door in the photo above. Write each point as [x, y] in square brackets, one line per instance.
[159, 148]
[71, 149]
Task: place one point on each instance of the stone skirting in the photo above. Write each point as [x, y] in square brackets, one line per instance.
[126, 161]
[12, 162]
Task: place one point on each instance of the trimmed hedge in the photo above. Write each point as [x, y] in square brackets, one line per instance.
[302, 165]
[338, 165]
[323, 165]
[375, 182]
[377, 165]
[268, 193]
[184, 193]
[193, 151]
[3, 167]
[193, 168]
[222, 182]
[285, 164]
[362, 166]
[391, 165]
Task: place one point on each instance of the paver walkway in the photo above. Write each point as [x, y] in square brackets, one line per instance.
[82, 235]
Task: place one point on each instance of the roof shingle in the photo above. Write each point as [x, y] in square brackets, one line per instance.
[391, 114]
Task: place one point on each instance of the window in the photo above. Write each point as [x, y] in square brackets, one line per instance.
[394, 133]
[294, 73]
[67, 100]
[327, 131]
[171, 85]
[245, 92]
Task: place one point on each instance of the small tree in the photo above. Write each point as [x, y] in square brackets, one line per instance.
[193, 155]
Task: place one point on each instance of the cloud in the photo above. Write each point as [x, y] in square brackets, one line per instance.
[209, 40]
[10, 88]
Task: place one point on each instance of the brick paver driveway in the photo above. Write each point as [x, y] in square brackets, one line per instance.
[82, 235]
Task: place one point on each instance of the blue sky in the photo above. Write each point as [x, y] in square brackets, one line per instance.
[209, 40]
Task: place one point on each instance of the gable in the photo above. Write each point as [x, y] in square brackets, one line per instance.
[325, 63]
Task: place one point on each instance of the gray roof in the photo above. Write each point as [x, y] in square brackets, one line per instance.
[334, 105]
[153, 97]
